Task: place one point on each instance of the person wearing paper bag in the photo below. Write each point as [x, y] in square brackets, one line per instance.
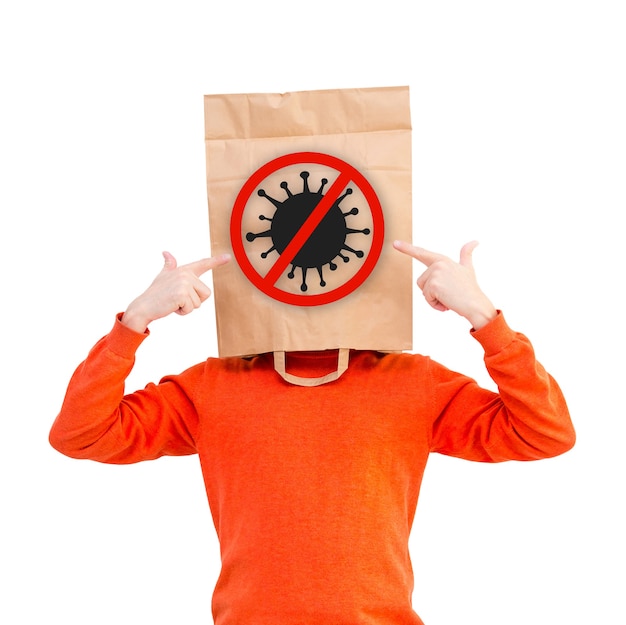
[313, 490]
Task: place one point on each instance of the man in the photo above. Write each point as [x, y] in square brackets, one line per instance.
[313, 489]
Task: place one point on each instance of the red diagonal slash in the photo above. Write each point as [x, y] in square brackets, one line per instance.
[307, 229]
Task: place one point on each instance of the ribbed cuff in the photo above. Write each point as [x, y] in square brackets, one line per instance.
[122, 340]
[494, 336]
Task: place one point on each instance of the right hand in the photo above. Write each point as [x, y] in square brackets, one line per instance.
[174, 290]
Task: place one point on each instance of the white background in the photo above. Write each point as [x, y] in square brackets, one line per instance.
[519, 141]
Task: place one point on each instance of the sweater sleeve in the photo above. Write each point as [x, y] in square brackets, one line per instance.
[527, 419]
[99, 422]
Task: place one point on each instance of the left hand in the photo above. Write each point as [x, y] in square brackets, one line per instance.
[448, 285]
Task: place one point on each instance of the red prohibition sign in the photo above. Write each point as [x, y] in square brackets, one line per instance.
[267, 282]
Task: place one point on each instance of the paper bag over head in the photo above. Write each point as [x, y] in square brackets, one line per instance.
[307, 191]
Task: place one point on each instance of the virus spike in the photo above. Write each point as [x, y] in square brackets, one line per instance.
[322, 281]
[303, 286]
[332, 266]
[346, 259]
[264, 218]
[262, 193]
[251, 236]
[292, 274]
[266, 254]
[357, 253]
[324, 182]
[348, 192]
[285, 186]
[352, 231]
[305, 177]
[352, 211]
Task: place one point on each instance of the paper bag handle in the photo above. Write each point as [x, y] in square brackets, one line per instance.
[342, 365]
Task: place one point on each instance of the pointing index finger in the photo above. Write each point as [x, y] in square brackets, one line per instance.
[419, 253]
[203, 265]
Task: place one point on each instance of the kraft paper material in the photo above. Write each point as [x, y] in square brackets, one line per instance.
[332, 283]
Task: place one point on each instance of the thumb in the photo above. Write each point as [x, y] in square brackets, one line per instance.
[170, 262]
[466, 254]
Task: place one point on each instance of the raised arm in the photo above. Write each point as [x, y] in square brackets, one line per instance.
[97, 420]
[528, 418]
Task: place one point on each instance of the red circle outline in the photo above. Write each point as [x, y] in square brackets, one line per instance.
[320, 159]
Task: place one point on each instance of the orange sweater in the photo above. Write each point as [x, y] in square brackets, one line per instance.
[313, 490]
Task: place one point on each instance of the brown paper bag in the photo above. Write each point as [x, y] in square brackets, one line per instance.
[308, 190]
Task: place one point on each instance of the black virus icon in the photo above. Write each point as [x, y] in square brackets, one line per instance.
[326, 243]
